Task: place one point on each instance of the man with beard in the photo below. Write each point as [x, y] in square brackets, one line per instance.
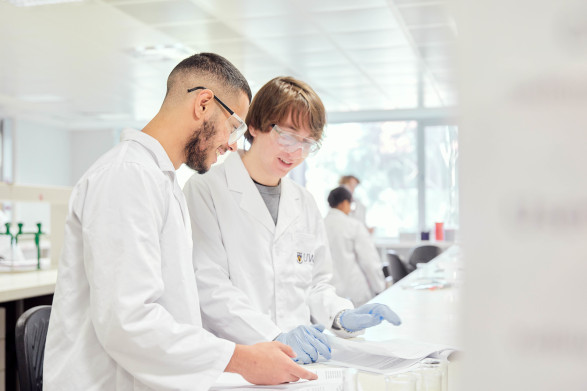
[126, 314]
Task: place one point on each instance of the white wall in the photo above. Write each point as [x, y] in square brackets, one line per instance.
[524, 194]
[87, 147]
[41, 156]
[51, 156]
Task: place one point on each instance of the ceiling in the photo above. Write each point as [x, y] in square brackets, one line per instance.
[105, 63]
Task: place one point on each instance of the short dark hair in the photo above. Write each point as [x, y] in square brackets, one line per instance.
[284, 95]
[212, 66]
[338, 195]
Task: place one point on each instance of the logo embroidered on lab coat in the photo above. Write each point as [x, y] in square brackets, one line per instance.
[305, 258]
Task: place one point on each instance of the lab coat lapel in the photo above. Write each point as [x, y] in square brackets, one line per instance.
[239, 181]
[180, 198]
[290, 207]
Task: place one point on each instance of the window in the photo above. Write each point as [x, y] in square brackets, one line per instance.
[441, 176]
[407, 169]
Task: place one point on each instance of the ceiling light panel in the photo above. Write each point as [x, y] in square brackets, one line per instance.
[342, 5]
[201, 33]
[330, 72]
[370, 39]
[417, 3]
[437, 50]
[322, 59]
[165, 12]
[290, 26]
[395, 54]
[33, 3]
[425, 14]
[380, 18]
[436, 34]
[357, 82]
[239, 9]
[296, 44]
[238, 52]
[392, 67]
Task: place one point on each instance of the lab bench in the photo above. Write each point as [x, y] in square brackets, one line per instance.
[428, 315]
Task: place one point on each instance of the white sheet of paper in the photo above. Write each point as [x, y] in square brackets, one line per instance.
[329, 379]
[391, 356]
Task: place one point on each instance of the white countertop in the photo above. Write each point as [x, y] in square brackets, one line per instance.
[21, 285]
[427, 315]
[431, 316]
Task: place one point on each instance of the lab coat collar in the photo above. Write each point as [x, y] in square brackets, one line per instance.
[165, 164]
[336, 212]
[152, 145]
[290, 208]
[239, 181]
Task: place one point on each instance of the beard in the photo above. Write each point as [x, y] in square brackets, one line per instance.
[199, 147]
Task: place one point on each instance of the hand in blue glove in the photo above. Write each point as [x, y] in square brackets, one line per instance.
[368, 315]
[307, 342]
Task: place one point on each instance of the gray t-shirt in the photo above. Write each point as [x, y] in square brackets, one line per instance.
[270, 195]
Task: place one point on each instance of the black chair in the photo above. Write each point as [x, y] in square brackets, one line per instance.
[422, 254]
[397, 269]
[31, 333]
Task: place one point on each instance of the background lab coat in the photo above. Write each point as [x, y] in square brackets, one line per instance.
[359, 211]
[257, 279]
[125, 313]
[357, 266]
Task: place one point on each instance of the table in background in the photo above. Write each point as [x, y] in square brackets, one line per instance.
[402, 248]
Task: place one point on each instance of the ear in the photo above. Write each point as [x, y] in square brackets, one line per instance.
[202, 103]
[253, 131]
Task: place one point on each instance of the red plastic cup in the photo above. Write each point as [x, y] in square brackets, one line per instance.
[439, 232]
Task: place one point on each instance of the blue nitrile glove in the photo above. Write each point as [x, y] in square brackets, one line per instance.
[367, 315]
[307, 342]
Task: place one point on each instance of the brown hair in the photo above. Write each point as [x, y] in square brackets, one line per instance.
[347, 178]
[280, 97]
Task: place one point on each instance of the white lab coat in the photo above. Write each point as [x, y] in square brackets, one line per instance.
[359, 211]
[357, 266]
[257, 279]
[125, 314]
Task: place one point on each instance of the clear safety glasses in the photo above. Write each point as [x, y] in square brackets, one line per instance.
[236, 125]
[291, 142]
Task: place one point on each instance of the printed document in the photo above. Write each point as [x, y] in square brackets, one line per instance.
[384, 357]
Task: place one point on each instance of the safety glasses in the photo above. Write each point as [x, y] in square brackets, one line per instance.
[236, 125]
[291, 142]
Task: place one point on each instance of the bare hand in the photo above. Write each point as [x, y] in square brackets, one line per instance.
[267, 363]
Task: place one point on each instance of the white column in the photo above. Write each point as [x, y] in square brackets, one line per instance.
[523, 140]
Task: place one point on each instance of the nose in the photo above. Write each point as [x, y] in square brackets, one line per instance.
[232, 147]
[296, 152]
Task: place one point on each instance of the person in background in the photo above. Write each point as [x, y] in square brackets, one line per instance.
[125, 314]
[358, 210]
[262, 261]
[357, 267]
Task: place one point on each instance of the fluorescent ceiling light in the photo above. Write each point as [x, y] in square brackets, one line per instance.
[173, 52]
[41, 98]
[32, 3]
